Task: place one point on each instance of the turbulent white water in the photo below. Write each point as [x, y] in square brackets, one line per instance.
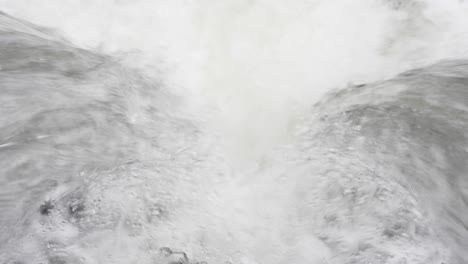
[233, 131]
[259, 62]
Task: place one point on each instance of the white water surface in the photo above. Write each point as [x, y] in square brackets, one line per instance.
[237, 166]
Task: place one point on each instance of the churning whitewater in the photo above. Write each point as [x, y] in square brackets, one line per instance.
[240, 132]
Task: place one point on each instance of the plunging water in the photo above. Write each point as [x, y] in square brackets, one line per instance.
[240, 132]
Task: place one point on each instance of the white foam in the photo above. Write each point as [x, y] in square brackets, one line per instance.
[259, 63]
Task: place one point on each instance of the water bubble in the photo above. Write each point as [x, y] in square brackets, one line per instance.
[46, 207]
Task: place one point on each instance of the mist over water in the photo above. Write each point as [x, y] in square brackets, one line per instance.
[233, 131]
[259, 63]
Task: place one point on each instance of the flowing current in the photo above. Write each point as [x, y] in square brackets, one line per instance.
[236, 131]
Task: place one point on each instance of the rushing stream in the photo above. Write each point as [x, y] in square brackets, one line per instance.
[105, 159]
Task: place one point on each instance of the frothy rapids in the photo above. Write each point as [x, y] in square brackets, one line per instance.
[242, 132]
